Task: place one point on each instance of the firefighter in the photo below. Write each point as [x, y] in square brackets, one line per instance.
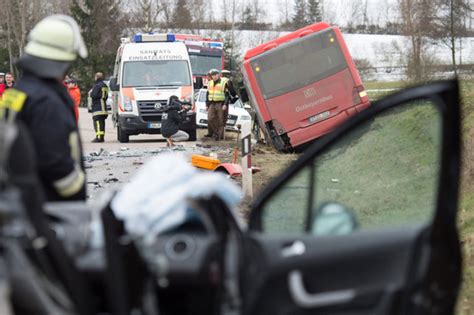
[42, 103]
[99, 95]
[218, 92]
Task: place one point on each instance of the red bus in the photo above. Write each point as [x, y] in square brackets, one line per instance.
[303, 85]
[205, 54]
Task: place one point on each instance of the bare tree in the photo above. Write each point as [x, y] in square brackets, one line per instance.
[417, 18]
[449, 25]
[198, 10]
[182, 18]
[257, 10]
[168, 7]
[146, 14]
[19, 18]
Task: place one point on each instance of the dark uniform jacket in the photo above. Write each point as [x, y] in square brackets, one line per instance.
[99, 95]
[171, 119]
[46, 109]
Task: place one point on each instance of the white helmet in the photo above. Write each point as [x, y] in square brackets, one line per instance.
[56, 37]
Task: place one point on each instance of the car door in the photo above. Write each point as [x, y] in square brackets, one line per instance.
[364, 222]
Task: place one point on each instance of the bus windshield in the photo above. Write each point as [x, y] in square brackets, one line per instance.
[201, 64]
[156, 73]
[297, 64]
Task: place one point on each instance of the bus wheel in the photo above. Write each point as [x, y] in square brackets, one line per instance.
[122, 137]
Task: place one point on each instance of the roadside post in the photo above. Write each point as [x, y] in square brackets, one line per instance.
[247, 160]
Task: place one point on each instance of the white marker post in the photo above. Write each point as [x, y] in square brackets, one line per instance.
[247, 186]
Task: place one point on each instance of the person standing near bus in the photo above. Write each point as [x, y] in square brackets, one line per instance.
[217, 92]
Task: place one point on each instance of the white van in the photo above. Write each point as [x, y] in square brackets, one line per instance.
[148, 70]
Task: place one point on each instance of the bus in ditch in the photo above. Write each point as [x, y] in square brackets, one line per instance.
[302, 85]
[205, 54]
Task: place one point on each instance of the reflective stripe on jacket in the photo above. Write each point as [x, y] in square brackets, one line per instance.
[99, 95]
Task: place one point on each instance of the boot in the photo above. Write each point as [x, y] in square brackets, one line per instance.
[96, 140]
[101, 138]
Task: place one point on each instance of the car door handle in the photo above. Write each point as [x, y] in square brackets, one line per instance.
[303, 299]
[296, 248]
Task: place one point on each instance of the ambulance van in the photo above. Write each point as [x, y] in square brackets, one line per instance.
[148, 69]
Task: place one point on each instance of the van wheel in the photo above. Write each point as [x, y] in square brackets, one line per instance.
[122, 137]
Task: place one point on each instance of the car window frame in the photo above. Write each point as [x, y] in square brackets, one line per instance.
[438, 92]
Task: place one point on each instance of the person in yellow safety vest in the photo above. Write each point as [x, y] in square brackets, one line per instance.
[218, 94]
[99, 95]
[41, 102]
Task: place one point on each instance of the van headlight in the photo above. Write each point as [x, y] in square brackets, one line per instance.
[203, 110]
[127, 104]
[244, 117]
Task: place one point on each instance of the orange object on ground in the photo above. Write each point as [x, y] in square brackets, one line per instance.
[204, 162]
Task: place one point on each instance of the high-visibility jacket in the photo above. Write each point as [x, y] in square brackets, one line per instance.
[216, 92]
[75, 94]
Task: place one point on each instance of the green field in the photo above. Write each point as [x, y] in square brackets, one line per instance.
[403, 153]
[466, 209]
[385, 171]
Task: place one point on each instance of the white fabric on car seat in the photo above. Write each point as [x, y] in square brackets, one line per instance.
[155, 200]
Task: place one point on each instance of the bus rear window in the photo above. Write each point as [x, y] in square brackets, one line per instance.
[299, 63]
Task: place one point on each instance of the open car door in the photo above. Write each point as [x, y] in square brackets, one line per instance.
[364, 222]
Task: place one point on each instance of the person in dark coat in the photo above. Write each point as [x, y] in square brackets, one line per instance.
[42, 103]
[171, 120]
[99, 95]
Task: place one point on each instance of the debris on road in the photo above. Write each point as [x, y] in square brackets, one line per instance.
[111, 180]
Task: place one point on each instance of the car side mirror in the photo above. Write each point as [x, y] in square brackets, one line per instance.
[113, 84]
[198, 84]
[244, 97]
[333, 218]
[247, 107]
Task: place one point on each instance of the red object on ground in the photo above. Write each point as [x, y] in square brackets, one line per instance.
[234, 170]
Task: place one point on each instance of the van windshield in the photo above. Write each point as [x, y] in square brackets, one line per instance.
[156, 73]
[299, 63]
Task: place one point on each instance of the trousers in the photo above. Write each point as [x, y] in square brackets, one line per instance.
[215, 120]
[99, 126]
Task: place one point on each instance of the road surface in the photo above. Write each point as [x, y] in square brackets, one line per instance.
[111, 164]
